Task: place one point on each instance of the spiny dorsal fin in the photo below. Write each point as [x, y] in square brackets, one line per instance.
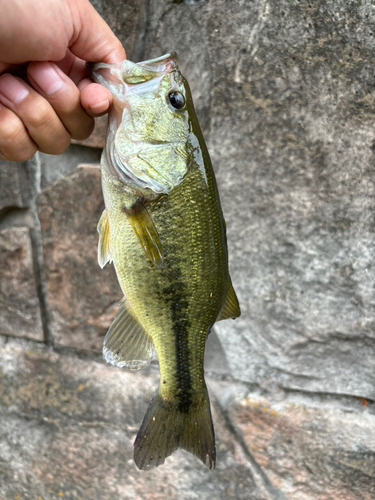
[145, 229]
[126, 343]
[231, 307]
[104, 253]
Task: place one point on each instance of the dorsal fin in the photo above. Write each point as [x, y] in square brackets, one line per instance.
[145, 229]
[231, 307]
[104, 253]
[126, 343]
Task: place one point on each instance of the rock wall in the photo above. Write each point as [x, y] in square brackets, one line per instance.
[285, 95]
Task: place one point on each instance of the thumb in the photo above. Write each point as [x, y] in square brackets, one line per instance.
[93, 40]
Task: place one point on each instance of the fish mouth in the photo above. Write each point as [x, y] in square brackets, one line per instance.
[124, 80]
[165, 63]
[130, 73]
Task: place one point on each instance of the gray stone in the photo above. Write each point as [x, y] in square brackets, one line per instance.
[214, 356]
[311, 451]
[15, 217]
[285, 96]
[19, 304]
[55, 167]
[16, 184]
[67, 430]
[82, 297]
[123, 18]
[10, 193]
[287, 91]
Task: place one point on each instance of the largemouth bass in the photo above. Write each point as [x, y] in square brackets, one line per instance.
[164, 230]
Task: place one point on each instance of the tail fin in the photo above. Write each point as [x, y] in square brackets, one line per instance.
[165, 428]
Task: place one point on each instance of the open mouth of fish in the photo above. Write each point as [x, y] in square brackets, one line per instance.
[132, 162]
[114, 76]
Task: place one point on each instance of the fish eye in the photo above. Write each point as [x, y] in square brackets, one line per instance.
[176, 100]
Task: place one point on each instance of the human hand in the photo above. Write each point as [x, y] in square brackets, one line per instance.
[44, 104]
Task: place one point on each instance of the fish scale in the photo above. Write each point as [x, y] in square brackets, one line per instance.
[165, 233]
[201, 258]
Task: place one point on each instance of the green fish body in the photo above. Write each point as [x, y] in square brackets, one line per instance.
[164, 230]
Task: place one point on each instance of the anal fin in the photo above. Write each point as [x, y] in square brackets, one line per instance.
[126, 343]
[144, 227]
[104, 253]
[231, 307]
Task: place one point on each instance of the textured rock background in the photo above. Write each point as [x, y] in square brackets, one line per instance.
[285, 95]
[19, 304]
[82, 298]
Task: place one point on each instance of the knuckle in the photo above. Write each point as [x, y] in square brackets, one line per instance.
[57, 145]
[42, 116]
[22, 152]
[15, 144]
[11, 130]
[26, 153]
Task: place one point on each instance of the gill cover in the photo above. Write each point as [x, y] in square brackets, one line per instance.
[149, 146]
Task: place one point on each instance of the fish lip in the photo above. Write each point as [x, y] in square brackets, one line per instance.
[109, 78]
[164, 63]
[159, 65]
[168, 55]
[94, 67]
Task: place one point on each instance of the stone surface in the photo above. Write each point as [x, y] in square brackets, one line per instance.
[284, 92]
[10, 192]
[311, 451]
[67, 430]
[82, 297]
[19, 304]
[287, 91]
[97, 138]
[214, 356]
[55, 167]
[126, 19]
[16, 180]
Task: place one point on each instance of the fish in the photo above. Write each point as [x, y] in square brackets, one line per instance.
[164, 230]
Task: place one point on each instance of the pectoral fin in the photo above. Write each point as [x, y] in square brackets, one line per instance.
[126, 343]
[104, 253]
[231, 307]
[145, 229]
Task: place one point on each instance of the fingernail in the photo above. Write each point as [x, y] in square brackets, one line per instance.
[46, 77]
[12, 89]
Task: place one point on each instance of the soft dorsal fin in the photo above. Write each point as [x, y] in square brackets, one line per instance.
[145, 229]
[104, 253]
[126, 343]
[231, 307]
